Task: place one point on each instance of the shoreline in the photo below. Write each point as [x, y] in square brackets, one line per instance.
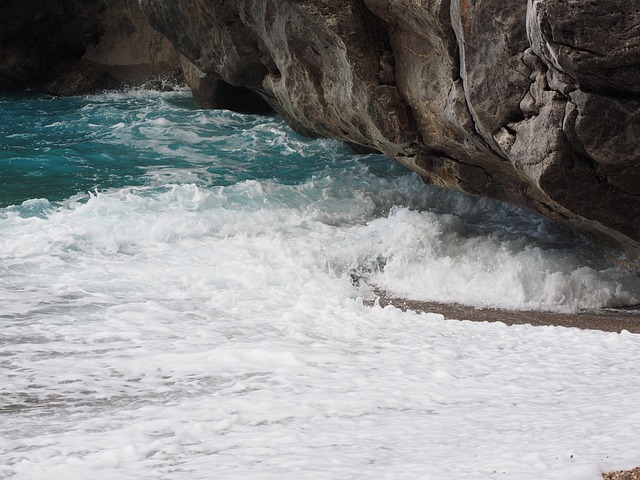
[606, 320]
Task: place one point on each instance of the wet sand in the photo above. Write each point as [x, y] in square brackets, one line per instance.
[607, 320]
[627, 475]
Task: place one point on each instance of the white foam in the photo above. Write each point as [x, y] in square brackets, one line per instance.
[419, 255]
[181, 332]
[432, 257]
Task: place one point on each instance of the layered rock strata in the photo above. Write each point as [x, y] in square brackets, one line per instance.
[530, 102]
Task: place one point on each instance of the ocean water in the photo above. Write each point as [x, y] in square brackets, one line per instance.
[188, 294]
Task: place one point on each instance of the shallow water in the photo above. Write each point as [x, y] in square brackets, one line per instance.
[182, 296]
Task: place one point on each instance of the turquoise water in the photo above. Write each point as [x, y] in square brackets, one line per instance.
[190, 294]
[54, 148]
[60, 154]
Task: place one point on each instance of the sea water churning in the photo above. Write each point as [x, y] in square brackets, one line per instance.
[182, 297]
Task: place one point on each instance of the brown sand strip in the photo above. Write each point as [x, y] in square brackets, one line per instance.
[628, 475]
[609, 320]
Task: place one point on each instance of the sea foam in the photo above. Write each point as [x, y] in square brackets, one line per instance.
[201, 311]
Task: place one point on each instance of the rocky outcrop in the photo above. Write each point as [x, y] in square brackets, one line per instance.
[80, 46]
[531, 102]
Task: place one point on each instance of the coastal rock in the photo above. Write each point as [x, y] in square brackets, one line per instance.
[533, 102]
[530, 102]
[210, 91]
[72, 47]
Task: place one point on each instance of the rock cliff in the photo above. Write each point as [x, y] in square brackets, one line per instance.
[530, 102]
[533, 102]
[74, 47]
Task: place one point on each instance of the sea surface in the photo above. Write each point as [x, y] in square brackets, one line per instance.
[190, 294]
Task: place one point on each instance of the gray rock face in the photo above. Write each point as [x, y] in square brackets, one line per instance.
[530, 102]
[533, 102]
[80, 46]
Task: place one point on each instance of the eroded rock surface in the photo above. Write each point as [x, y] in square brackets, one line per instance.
[531, 102]
[80, 46]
